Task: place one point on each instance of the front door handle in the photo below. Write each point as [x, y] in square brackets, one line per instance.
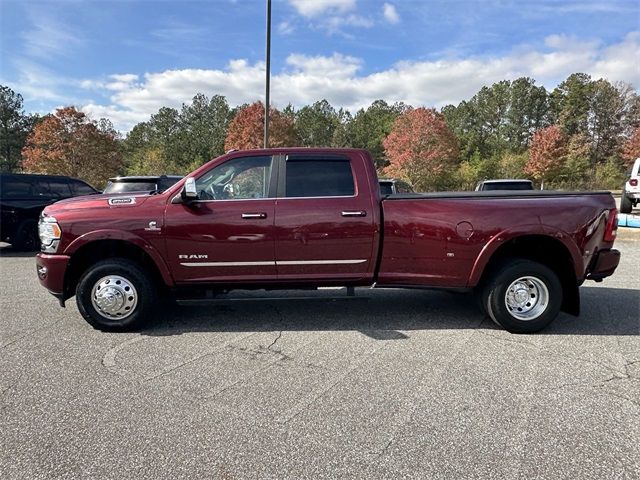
[248, 216]
[354, 213]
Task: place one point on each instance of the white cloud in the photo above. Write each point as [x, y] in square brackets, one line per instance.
[38, 82]
[285, 28]
[338, 66]
[48, 36]
[390, 13]
[315, 8]
[336, 23]
[124, 77]
[620, 61]
[332, 16]
[338, 78]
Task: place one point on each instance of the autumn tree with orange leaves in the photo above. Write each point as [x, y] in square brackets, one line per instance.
[547, 151]
[69, 143]
[246, 130]
[631, 149]
[422, 149]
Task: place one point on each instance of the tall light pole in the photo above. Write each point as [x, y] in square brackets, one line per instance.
[267, 79]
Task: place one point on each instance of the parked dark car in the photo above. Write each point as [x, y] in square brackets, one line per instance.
[504, 184]
[23, 197]
[149, 184]
[389, 186]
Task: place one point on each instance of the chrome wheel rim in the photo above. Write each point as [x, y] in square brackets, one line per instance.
[527, 298]
[114, 297]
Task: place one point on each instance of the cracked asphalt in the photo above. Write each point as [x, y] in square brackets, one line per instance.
[389, 384]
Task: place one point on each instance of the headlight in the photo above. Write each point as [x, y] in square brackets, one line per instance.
[49, 232]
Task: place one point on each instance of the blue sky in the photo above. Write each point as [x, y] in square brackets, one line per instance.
[124, 59]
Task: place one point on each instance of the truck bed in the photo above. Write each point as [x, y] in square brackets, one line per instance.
[447, 241]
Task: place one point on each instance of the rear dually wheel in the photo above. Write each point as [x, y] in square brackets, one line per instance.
[522, 296]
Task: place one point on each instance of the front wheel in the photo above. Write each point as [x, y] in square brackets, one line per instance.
[116, 295]
[523, 296]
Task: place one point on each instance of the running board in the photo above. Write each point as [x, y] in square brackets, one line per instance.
[208, 300]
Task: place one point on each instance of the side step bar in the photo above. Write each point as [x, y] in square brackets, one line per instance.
[208, 300]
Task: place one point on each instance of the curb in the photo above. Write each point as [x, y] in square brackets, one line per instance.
[628, 220]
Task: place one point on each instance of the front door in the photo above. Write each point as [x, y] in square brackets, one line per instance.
[227, 234]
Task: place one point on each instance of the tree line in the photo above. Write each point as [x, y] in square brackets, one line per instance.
[583, 134]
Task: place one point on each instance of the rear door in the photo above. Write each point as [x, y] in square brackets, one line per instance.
[325, 221]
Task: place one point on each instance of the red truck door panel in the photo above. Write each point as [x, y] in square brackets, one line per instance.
[228, 233]
[325, 222]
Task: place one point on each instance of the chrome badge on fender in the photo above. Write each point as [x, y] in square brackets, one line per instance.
[122, 201]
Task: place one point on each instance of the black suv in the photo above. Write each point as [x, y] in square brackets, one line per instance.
[24, 196]
[138, 184]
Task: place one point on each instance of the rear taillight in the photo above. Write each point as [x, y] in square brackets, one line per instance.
[633, 182]
[612, 226]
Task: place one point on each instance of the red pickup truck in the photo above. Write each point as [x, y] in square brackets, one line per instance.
[304, 218]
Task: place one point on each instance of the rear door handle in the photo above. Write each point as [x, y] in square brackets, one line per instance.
[248, 216]
[354, 213]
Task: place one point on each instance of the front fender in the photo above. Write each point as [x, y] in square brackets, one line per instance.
[109, 234]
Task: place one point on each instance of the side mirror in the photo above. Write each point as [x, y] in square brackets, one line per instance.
[189, 192]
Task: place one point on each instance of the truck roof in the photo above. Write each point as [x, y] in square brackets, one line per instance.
[500, 180]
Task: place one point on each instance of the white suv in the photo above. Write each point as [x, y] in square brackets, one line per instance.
[631, 192]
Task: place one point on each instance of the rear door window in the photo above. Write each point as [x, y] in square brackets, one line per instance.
[59, 188]
[319, 178]
[41, 189]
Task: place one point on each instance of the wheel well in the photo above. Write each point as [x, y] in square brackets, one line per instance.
[547, 251]
[90, 253]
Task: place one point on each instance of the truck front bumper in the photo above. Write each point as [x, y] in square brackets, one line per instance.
[51, 270]
[604, 264]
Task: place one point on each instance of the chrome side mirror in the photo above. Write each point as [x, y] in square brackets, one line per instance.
[189, 192]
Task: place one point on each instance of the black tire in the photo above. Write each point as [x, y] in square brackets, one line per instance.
[133, 276]
[625, 204]
[27, 239]
[543, 296]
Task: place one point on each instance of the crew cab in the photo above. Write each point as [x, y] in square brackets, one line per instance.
[304, 218]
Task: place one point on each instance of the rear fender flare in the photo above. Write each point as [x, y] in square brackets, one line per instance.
[507, 235]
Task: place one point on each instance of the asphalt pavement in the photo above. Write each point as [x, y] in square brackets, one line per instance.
[389, 384]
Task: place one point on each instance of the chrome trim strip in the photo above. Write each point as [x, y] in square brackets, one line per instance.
[227, 264]
[318, 262]
[279, 262]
